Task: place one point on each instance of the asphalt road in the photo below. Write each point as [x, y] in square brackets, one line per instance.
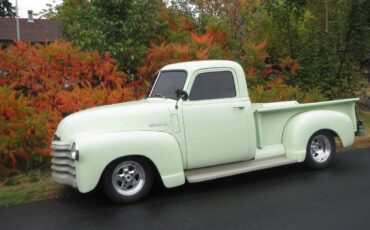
[289, 197]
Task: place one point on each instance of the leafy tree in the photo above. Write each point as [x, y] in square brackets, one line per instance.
[52, 10]
[123, 28]
[330, 41]
[239, 20]
[7, 10]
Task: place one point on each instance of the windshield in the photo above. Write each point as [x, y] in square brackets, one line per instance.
[167, 83]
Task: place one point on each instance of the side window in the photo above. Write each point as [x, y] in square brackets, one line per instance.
[213, 85]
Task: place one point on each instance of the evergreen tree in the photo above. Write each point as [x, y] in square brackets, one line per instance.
[7, 10]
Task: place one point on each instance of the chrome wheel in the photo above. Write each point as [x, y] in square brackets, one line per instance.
[320, 148]
[128, 178]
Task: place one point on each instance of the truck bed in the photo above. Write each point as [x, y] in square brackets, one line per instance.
[271, 118]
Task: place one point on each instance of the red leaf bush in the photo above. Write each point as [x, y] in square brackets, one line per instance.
[39, 85]
[24, 132]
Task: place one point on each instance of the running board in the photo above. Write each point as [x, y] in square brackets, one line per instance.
[214, 172]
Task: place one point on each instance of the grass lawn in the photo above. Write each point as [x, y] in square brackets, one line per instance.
[37, 185]
[32, 186]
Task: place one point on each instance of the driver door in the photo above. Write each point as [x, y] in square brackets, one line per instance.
[215, 120]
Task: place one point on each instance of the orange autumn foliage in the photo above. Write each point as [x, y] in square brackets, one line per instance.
[200, 47]
[35, 69]
[40, 72]
[24, 132]
[82, 98]
[39, 85]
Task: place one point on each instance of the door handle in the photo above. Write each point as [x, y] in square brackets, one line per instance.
[239, 107]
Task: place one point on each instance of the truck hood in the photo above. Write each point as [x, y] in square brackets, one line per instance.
[148, 115]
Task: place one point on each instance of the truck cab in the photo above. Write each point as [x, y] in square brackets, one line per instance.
[216, 117]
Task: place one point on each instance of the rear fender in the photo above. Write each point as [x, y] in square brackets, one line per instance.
[301, 127]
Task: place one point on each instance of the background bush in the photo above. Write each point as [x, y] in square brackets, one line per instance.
[24, 133]
[39, 85]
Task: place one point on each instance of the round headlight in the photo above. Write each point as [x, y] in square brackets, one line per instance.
[74, 151]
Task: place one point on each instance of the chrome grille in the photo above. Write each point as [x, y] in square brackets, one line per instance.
[63, 166]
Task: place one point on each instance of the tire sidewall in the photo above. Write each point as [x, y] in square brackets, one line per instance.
[116, 197]
[310, 161]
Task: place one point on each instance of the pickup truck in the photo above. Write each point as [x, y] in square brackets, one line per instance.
[197, 124]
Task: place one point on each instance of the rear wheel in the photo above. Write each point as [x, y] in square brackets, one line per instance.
[320, 150]
[128, 180]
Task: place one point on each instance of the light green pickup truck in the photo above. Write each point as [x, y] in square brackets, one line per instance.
[197, 124]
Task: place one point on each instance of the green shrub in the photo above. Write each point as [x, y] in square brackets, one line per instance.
[33, 176]
[11, 182]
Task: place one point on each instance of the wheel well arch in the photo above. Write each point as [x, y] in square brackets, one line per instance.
[330, 131]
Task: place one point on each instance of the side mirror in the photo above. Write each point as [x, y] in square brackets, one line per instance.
[182, 94]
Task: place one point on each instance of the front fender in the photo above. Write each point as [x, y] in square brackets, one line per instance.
[301, 127]
[98, 150]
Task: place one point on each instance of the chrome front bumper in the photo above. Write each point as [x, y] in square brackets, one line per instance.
[63, 166]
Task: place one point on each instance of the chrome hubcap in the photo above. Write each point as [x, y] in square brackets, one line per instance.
[320, 148]
[128, 178]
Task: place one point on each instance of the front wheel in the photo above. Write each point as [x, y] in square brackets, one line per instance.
[128, 180]
[320, 150]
